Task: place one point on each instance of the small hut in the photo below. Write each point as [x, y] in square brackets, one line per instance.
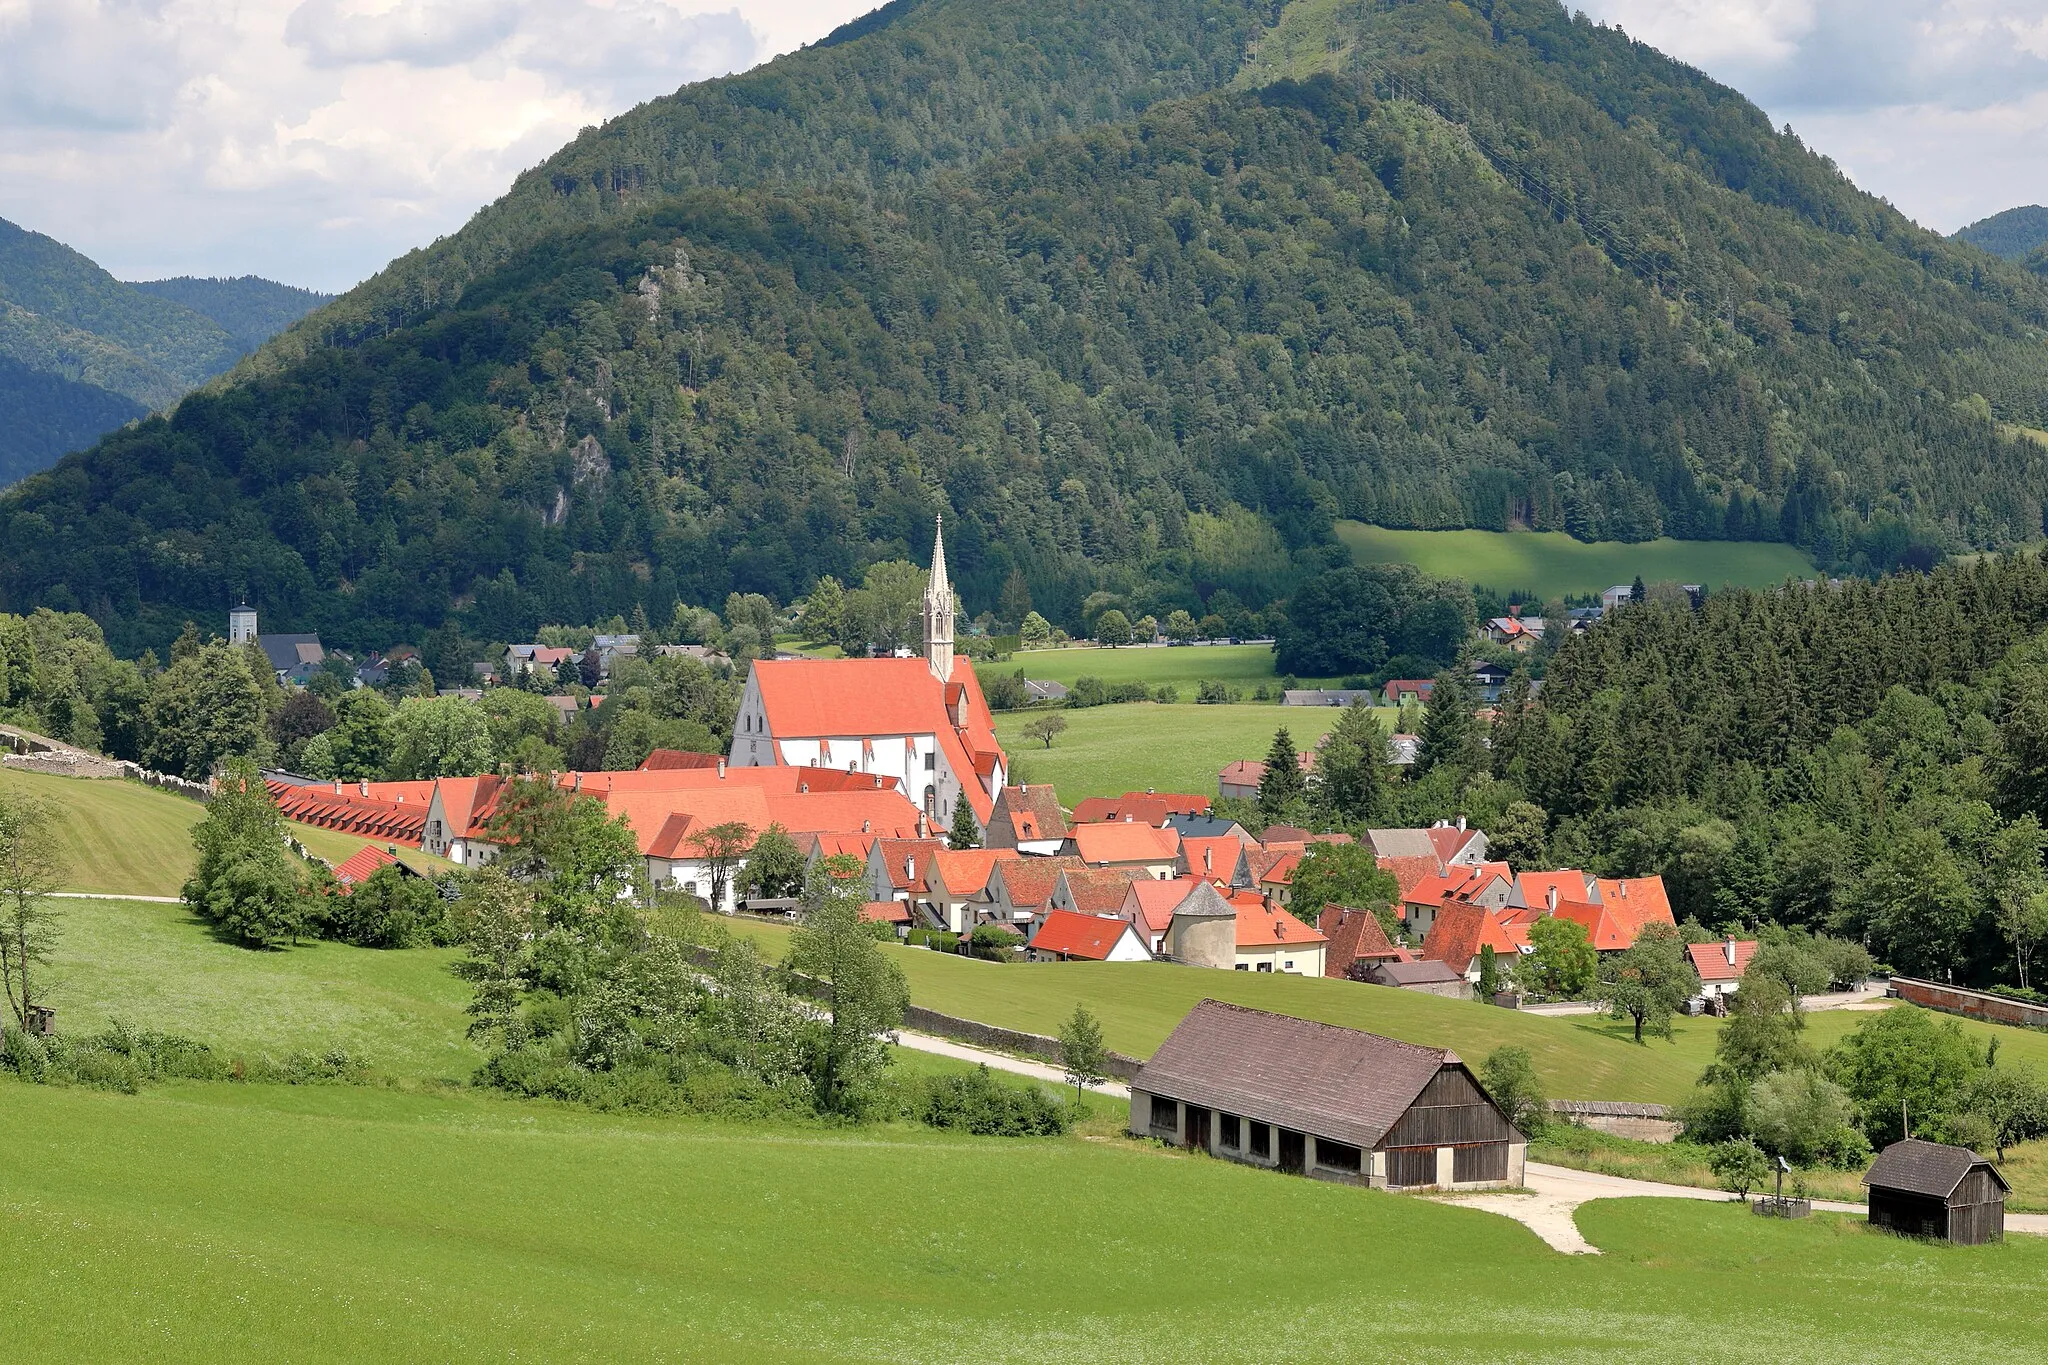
[1929, 1189]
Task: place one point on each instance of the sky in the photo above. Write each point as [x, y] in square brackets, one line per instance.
[311, 141]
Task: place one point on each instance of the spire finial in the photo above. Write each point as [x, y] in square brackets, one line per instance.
[938, 608]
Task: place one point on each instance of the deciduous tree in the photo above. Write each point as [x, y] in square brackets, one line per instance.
[1650, 980]
[31, 867]
[1081, 1050]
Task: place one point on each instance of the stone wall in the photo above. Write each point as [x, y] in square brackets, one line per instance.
[1994, 1009]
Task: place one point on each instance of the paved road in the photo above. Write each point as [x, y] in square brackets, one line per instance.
[1001, 1061]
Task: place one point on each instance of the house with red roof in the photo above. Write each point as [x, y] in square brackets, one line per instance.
[358, 866]
[389, 812]
[1066, 936]
[1401, 691]
[1093, 890]
[1240, 780]
[1222, 859]
[661, 759]
[956, 885]
[1020, 890]
[1722, 964]
[1490, 886]
[897, 869]
[818, 847]
[1272, 940]
[1462, 929]
[1273, 873]
[1154, 852]
[1027, 818]
[1357, 942]
[1153, 808]
[1149, 905]
[893, 913]
[922, 720]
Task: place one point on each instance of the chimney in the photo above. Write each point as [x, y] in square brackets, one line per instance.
[1621, 890]
[1127, 817]
[578, 785]
[864, 827]
[878, 781]
[1151, 791]
[1461, 824]
[1208, 864]
[1731, 950]
[1550, 900]
[910, 869]
[337, 786]
[364, 787]
[803, 786]
[721, 770]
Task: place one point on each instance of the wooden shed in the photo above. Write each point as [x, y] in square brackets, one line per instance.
[1314, 1099]
[1929, 1189]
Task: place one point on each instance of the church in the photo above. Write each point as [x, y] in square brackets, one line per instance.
[922, 721]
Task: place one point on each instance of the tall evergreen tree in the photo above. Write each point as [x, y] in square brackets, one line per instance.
[1351, 766]
[965, 833]
[1282, 786]
[1450, 730]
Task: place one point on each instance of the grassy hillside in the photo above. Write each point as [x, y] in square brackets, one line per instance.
[125, 839]
[157, 966]
[1186, 667]
[1109, 750]
[326, 1224]
[1551, 564]
[1131, 326]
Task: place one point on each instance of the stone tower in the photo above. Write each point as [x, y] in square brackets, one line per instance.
[938, 611]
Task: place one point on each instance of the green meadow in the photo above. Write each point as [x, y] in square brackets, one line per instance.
[1552, 564]
[1184, 666]
[1109, 750]
[211, 1222]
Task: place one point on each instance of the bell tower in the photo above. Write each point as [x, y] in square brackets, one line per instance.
[938, 611]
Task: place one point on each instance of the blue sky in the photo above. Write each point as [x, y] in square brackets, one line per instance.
[313, 140]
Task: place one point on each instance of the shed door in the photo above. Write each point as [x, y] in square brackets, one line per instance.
[1198, 1128]
[1411, 1166]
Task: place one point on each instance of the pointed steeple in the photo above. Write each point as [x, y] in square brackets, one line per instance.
[938, 611]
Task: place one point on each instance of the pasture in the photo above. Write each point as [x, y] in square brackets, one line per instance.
[125, 839]
[211, 1222]
[1185, 666]
[1109, 750]
[1552, 564]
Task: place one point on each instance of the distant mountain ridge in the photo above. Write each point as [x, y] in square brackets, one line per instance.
[1143, 295]
[106, 352]
[2014, 234]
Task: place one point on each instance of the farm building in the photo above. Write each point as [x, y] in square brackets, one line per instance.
[1929, 1189]
[1314, 1099]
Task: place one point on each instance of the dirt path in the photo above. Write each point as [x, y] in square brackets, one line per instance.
[1555, 1193]
[1001, 1061]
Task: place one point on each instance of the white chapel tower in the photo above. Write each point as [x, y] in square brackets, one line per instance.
[938, 611]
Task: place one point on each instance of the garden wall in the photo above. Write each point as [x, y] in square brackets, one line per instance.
[1994, 1009]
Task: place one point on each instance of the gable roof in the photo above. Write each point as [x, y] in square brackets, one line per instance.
[359, 865]
[1605, 930]
[1639, 900]
[1354, 934]
[677, 758]
[1092, 937]
[885, 912]
[1207, 827]
[965, 871]
[1569, 883]
[1710, 960]
[1460, 930]
[1409, 872]
[908, 862]
[1149, 902]
[1124, 841]
[1403, 843]
[1097, 890]
[1315, 1078]
[1206, 857]
[862, 698]
[1449, 841]
[1033, 810]
[1279, 869]
[825, 845]
[1030, 881]
[1423, 973]
[1259, 925]
[1929, 1168]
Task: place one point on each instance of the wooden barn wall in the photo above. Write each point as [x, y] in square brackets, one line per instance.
[1451, 1109]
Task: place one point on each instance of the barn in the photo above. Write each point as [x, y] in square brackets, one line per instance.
[1314, 1099]
[1929, 1189]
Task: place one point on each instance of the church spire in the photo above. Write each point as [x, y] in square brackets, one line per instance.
[938, 611]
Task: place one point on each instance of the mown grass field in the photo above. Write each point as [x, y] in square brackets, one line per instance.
[1551, 563]
[1185, 666]
[217, 1222]
[125, 839]
[159, 966]
[1109, 750]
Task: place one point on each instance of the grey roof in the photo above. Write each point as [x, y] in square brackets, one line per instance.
[1045, 689]
[1422, 973]
[285, 652]
[1315, 1078]
[1200, 826]
[1325, 696]
[1204, 902]
[1930, 1168]
[1401, 843]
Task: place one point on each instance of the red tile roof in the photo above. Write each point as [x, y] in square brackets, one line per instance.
[677, 758]
[965, 872]
[1638, 900]
[1092, 937]
[1354, 935]
[857, 698]
[1125, 841]
[1710, 960]
[1215, 857]
[1280, 871]
[359, 865]
[1605, 930]
[1150, 807]
[1098, 890]
[1259, 925]
[1029, 882]
[1569, 883]
[1150, 902]
[886, 912]
[1460, 931]
[1408, 872]
[392, 812]
[1034, 812]
[908, 862]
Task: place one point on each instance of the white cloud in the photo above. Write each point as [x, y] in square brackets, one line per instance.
[314, 140]
[1941, 106]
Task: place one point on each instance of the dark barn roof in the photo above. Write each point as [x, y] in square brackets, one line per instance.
[1424, 973]
[1930, 1168]
[1334, 1082]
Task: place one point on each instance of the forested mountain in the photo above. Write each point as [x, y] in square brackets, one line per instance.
[1143, 295]
[81, 352]
[2015, 234]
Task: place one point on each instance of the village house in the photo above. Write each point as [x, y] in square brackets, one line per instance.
[922, 720]
[1328, 696]
[1401, 691]
[1721, 965]
[1240, 780]
[1461, 930]
[1930, 1189]
[1355, 938]
[1519, 633]
[1424, 976]
[1027, 818]
[1020, 890]
[1447, 844]
[1208, 827]
[1067, 936]
[521, 660]
[1272, 940]
[1092, 890]
[896, 869]
[1488, 678]
[1273, 872]
[1225, 859]
[1149, 906]
[1314, 1099]
[1487, 885]
[1147, 807]
[1154, 852]
[956, 890]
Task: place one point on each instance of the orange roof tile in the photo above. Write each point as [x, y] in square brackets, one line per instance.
[1461, 930]
[1280, 872]
[1092, 937]
[1639, 900]
[1029, 882]
[1354, 934]
[1098, 890]
[1710, 960]
[1408, 872]
[1151, 901]
[1261, 926]
[1034, 812]
[1121, 841]
[886, 912]
[1605, 930]
[1212, 857]
[966, 871]
[359, 865]
[1569, 883]
[908, 862]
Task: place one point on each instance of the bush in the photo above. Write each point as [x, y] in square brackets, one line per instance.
[993, 943]
[1088, 691]
[1215, 692]
[1740, 1165]
[126, 1059]
[980, 1104]
[1509, 1075]
[389, 909]
[934, 938]
[1166, 694]
[1807, 1119]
